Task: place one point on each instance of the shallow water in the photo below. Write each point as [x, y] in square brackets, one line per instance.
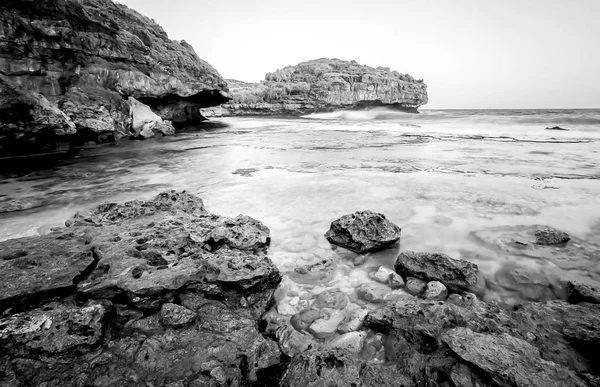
[443, 176]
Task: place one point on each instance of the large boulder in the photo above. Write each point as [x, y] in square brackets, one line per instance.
[83, 60]
[135, 294]
[363, 232]
[455, 274]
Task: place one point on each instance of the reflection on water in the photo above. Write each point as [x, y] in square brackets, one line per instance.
[455, 184]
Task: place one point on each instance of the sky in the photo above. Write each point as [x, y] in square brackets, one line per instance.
[471, 53]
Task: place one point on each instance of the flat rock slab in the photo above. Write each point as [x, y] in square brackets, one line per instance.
[363, 232]
[509, 360]
[35, 269]
[455, 274]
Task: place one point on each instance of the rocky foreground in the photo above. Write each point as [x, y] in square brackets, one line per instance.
[93, 70]
[323, 85]
[164, 293]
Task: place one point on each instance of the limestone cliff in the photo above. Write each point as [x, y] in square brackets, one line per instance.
[323, 85]
[69, 67]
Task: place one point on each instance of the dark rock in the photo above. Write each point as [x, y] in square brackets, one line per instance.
[556, 128]
[508, 360]
[335, 368]
[435, 291]
[242, 232]
[415, 286]
[550, 236]
[455, 274]
[579, 292]
[292, 342]
[363, 231]
[372, 293]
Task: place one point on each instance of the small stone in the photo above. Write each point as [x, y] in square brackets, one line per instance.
[333, 298]
[323, 328]
[435, 291]
[372, 293]
[291, 342]
[351, 342]
[550, 236]
[176, 316]
[580, 292]
[353, 321]
[456, 299]
[382, 274]
[415, 286]
[306, 296]
[302, 321]
[396, 281]
[285, 309]
[359, 260]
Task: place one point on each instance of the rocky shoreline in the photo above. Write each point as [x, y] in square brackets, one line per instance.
[162, 292]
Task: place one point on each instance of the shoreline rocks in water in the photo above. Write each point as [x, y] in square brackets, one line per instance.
[88, 67]
[137, 294]
[363, 232]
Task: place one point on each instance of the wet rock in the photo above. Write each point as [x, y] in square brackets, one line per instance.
[19, 204]
[301, 321]
[291, 342]
[242, 232]
[353, 321]
[36, 269]
[145, 123]
[550, 236]
[508, 360]
[317, 272]
[456, 299]
[455, 274]
[415, 286]
[363, 231]
[332, 298]
[351, 342]
[396, 281]
[372, 293]
[435, 291]
[335, 368]
[531, 284]
[580, 292]
[382, 275]
[326, 326]
[176, 316]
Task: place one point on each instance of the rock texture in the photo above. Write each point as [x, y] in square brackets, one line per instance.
[68, 71]
[323, 85]
[138, 294]
[363, 232]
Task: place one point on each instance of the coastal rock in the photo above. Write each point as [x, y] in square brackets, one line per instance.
[84, 60]
[555, 128]
[335, 368]
[579, 292]
[128, 293]
[241, 232]
[353, 321]
[363, 231]
[415, 286]
[145, 123]
[349, 342]
[455, 274]
[323, 85]
[382, 274]
[332, 298]
[372, 293]
[291, 342]
[550, 236]
[325, 327]
[435, 291]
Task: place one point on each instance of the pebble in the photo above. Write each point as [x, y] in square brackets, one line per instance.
[285, 309]
[294, 301]
[351, 342]
[415, 286]
[456, 299]
[323, 328]
[372, 293]
[353, 321]
[306, 296]
[332, 298]
[396, 281]
[382, 274]
[359, 260]
[435, 291]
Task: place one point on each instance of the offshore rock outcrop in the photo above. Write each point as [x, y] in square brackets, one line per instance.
[68, 69]
[142, 293]
[323, 85]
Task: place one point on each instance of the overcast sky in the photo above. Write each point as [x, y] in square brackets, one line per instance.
[471, 53]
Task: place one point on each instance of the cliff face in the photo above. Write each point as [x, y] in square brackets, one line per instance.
[322, 85]
[69, 67]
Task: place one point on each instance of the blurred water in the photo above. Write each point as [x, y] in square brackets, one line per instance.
[441, 175]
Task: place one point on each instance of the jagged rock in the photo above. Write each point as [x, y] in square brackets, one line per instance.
[550, 236]
[580, 292]
[36, 269]
[332, 298]
[353, 321]
[455, 274]
[435, 291]
[555, 128]
[83, 60]
[349, 342]
[242, 232]
[363, 231]
[176, 316]
[115, 274]
[415, 286]
[323, 85]
[335, 368]
[291, 342]
[508, 360]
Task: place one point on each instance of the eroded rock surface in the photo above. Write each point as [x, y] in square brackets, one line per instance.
[135, 294]
[363, 231]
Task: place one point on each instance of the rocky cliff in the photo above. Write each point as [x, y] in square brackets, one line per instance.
[70, 69]
[323, 85]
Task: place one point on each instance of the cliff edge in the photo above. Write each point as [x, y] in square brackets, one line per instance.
[323, 85]
[81, 70]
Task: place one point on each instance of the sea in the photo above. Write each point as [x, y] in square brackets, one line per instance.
[471, 184]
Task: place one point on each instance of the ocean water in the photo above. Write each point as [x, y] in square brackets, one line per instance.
[460, 182]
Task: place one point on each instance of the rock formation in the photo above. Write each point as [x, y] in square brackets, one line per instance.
[69, 71]
[363, 232]
[323, 85]
[141, 293]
